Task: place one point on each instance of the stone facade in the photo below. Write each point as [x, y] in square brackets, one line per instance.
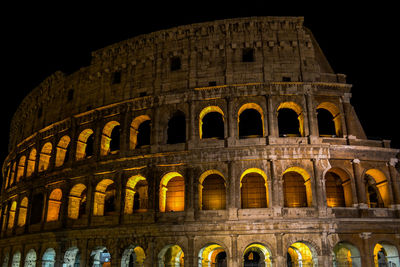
[145, 202]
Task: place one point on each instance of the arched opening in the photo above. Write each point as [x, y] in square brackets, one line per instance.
[297, 188]
[212, 190]
[110, 138]
[12, 174]
[72, 257]
[212, 255]
[211, 122]
[136, 195]
[140, 132]
[4, 218]
[16, 259]
[171, 255]
[172, 192]
[37, 209]
[62, 151]
[377, 189]
[177, 128]
[23, 209]
[30, 259]
[290, 120]
[49, 258]
[386, 255]
[133, 256]
[6, 258]
[253, 189]
[11, 214]
[104, 198]
[54, 204]
[250, 121]
[329, 121]
[84, 146]
[301, 254]
[21, 168]
[100, 257]
[338, 188]
[257, 255]
[45, 155]
[31, 163]
[77, 201]
[346, 255]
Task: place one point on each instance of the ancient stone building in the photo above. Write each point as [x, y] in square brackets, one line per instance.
[227, 143]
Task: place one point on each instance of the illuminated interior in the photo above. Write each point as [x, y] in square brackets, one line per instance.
[83, 146]
[377, 189]
[136, 197]
[216, 123]
[284, 117]
[44, 158]
[172, 192]
[12, 174]
[30, 259]
[72, 257]
[62, 152]
[338, 188]
[171, 255]
[104, 198]
[21, 168]
[133, 256]
[54, 204]
[297, 188]
[346, 255]
[77, 201]
[108, 143]
[336, 118]
[212, 191]
[134, 130]
[11, 214]
[23, 209]
[257, 255]
[49, 258]
[254, 189]
[212, 255]
[96, 258]
[31, 163]
[386, 254]
[16, 259]
[299, 254]
[251, 121]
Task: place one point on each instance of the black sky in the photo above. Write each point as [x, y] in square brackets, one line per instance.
[359, 42]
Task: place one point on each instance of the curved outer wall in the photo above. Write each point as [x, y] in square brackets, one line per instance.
[137, 78]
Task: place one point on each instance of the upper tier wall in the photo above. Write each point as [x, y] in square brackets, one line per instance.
[209, 53]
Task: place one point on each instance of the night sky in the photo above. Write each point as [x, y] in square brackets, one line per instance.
[358, 42]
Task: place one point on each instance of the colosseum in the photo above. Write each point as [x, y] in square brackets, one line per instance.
[224, 143]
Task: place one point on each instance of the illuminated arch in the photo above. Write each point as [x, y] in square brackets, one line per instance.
[53, 205]
[335, 112]
[302, 254]
[101, 195]
[72, 257]
[12, 174]
[49, 258]
[171, 255]
[386, 254]
[346, 254]
[206, 199]
[251, 106]
[31, 163]
[297, 193]
[172, 192]
[134, 130]
[206, 111]
[338, 188]
[23, 209]
[21, 168]
[96, 257]
[255, 191]
[30, 259]
[211, 255]
[84, 145]
[133, 256]
[16, 259]
[135, 185]
[263, 253]
[77, 201]
[62, 150]
[108, 138]
[298, 110]
[11, 214]
[45, 155]
[380, 185]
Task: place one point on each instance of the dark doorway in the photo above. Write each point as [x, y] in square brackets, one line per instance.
[177, 128]
[288, 123]
[213, 126]
[250, 124]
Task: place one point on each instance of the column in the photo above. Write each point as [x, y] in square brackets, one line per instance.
[279, 259]
[231, 124]
[312, 118]
[233, 259]
[360, 185]
[189, 195]
[394, 175]
[367, 257]
[320, 191]
[233, 187]
[272, 119]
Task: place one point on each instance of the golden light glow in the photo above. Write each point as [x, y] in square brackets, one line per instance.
[378, 247]
[81, 143]
[21, 168]
[134, 130]
[252, 106]
[381, 184]
[204, 112]
[99, 196]
[346, 184]
[140, 255]
[208, 254]
[293, 198]
[23, 208]
[171, 255]
[106, 137]
[11, 214]
[172, 192]
[54, 205]
[203, 176]
[62, 150]
[31, 163]
[75, 200]
[334, 110]
[296, 108]
[262, 251]
[254, 200]
[300, 252]
[130, 193]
